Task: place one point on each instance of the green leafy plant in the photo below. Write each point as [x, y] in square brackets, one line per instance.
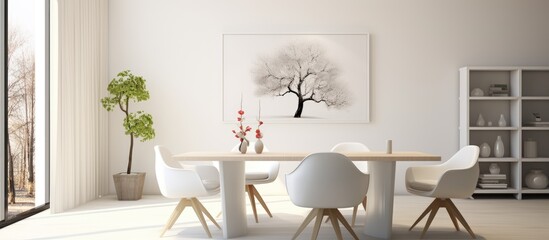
[126, 87]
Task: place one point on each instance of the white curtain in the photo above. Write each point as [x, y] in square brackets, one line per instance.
[78, 81]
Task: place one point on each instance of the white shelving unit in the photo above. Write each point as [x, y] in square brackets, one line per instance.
[528, 94]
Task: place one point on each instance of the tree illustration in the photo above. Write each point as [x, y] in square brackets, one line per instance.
[301, 69]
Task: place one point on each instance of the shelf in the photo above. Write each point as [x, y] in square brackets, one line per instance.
[542, 98]
[535, 128]
[489, 98]
[496, 160]
[528, 96]
[492, 128]
[495, 191]
[535, 160]
[529, 190]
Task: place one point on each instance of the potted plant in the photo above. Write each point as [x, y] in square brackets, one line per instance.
[126, 87]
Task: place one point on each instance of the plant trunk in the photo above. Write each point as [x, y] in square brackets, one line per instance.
[30, 166]
[11, 182]
[299, 108]
[129, 170]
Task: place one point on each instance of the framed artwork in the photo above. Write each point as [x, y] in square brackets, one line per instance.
[296, 78]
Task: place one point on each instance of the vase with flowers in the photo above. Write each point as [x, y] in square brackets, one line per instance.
[240, 133]
[258, 133]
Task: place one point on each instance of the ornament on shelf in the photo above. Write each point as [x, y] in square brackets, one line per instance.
[535, 179]
[477, 92]
[530, 149]
[485, 150]
[494, 168]
[480, 120]
[499, 149]
[502, 122]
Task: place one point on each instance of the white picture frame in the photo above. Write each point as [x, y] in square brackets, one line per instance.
[262, 69]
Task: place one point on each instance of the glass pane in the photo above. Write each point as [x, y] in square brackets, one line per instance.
[25, 95]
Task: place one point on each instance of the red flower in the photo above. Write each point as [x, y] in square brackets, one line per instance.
[260, 123]
[257, 131]
[258, 135]
[241, 112]
[238, 119]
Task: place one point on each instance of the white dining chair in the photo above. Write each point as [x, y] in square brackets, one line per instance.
[259, 172]
[186, 183]
[361, 165]
[325, 182]
[455, 178]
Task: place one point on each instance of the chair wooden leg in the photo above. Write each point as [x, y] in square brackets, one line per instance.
[251, 195]
[451, 214]
[306, 222]
[355, 209]
[205, 211]
[427, 210]
[335, 223]
[175, 214]
[461, 218]
[346, 224]
[318, 222]
[200, 216]
[434, 211]
[260, 199]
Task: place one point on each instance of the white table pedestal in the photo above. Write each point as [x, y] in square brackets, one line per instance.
[233, 200]
[379, 209]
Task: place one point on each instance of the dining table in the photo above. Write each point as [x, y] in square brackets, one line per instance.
[381, 167]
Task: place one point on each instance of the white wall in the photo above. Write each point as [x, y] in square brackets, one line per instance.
[416, 50]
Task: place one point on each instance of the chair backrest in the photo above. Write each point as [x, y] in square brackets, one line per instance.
[465, 158]
[176, 181]
[326, 180]
[353, 147]
[460, 174]
[163, 159]
[270, 167]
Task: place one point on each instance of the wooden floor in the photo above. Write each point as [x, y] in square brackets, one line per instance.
[107, 218]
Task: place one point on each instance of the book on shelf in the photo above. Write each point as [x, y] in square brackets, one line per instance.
[492, 185]
[490, 181]
[498, 90]
[499, 94]
[493, 176]
[500, 85]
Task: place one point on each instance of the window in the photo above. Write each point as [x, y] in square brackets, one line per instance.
[25, 92]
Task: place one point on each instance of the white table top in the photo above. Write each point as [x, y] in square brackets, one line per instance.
[298, 156]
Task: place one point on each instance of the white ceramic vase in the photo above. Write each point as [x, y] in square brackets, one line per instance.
[258, 146]
[502, 122]
[494, 168]
[499, 149]
[530, 149]
[485, 150]
[535, 179]
[480, 121]
[243, 147]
